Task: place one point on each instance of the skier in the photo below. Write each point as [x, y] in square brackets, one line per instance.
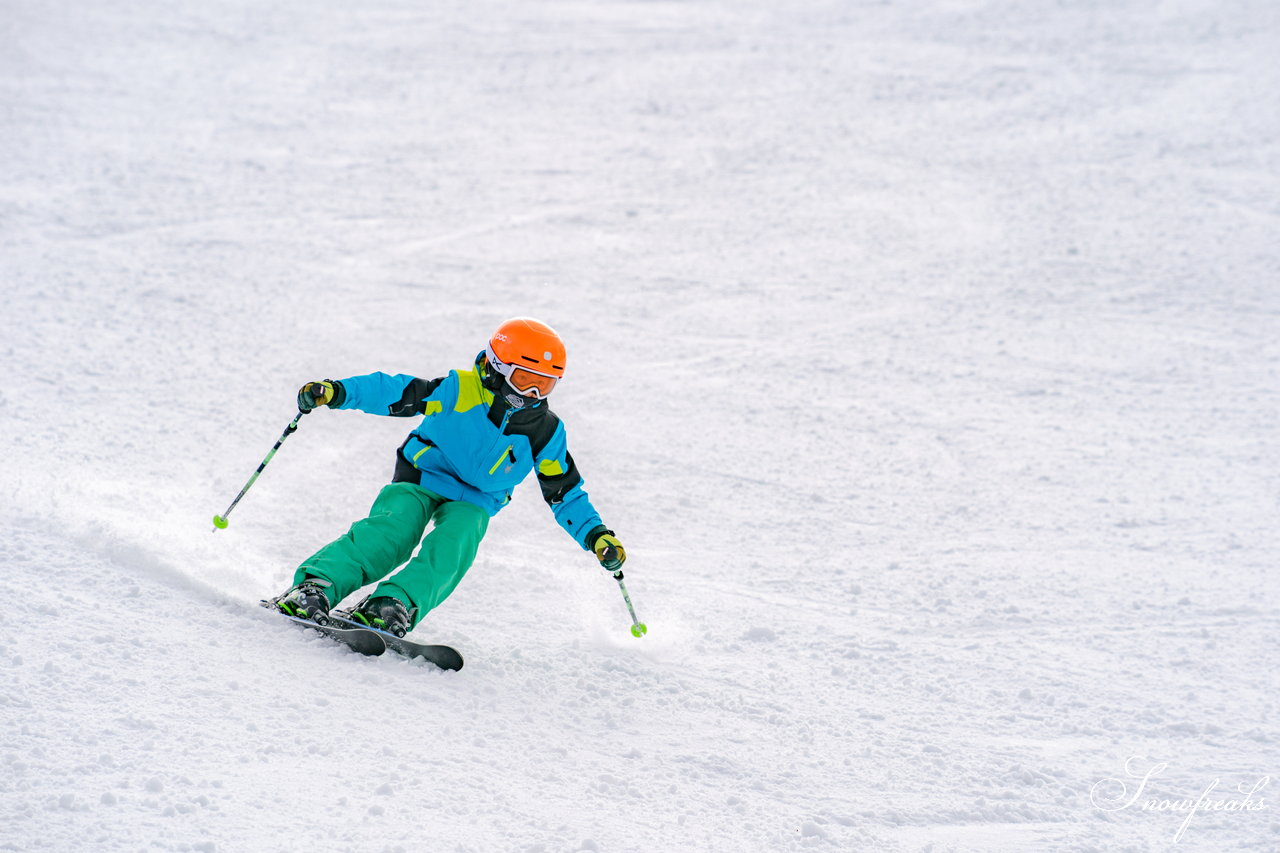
[482, 431]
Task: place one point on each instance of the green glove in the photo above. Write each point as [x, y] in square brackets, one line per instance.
[315, 394]
[609, 550]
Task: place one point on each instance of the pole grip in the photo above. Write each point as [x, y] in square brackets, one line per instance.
[609, 559]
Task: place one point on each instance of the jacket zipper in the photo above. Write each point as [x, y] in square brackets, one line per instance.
[501, 459]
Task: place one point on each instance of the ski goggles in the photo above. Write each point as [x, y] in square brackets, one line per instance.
[528, 382]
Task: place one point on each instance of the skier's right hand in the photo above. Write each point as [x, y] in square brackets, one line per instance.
[315, 394]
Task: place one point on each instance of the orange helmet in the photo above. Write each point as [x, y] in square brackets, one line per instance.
[529, 355]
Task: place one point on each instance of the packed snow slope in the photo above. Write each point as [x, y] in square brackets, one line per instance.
[924, 355]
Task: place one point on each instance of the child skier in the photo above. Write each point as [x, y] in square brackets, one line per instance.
[482, 431]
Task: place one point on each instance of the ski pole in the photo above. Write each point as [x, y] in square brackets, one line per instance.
[220, 521]
[638, 628]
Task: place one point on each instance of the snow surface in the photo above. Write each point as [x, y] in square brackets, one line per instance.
[925, 356]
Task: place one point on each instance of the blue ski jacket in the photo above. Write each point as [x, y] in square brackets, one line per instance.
[472, 446]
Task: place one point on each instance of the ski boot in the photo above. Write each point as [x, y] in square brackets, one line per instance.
[385, 613]
[307, 600]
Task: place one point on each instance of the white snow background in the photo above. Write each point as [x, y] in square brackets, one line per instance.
[924, 355]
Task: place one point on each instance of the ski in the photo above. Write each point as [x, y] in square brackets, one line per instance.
[445, 657]
[359, 639]
[370, 641]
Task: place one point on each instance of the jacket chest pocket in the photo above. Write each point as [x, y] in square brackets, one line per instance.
[505, 467]
[504, 461]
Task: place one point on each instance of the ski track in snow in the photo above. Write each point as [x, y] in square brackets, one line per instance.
[923, 355]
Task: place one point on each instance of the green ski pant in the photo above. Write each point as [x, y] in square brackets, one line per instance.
[377, 545]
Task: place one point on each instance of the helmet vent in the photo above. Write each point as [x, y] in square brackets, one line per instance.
[527, 358]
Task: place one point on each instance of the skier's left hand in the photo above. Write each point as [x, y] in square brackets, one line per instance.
[609, 551]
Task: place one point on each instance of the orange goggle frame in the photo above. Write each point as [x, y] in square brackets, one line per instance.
[528, 382]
